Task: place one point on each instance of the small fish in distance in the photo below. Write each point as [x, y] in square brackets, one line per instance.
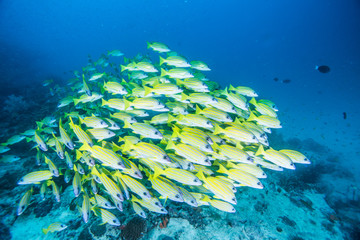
[323, 69]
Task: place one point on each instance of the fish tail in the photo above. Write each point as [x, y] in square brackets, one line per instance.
[127, 124]
[147, 90]
[163, 72]
[217, 129]
[253, 101]
[123, 68]
[170, 145]
[127, 146]
[184, 96]
[231, 88]
[200, 175]
[45, 230]
[171, 118]
[157, 172]
[260, 151]
[252, 117]
[103, 102]
[162, 60]
[198, 109]
[222, 169]
[127, 103]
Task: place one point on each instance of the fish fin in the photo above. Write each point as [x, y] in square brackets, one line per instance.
[179, 82]
[103, 102]
[171, 118]
[184, 96]
[163, 72]
[45, 230]
[237, 120]
[127, 124]
[198, 110]
[238, 145]
[147, 90]
[260, 151]
[157, 172]
[85, 147]
[253, 101]
[170, 145]
[217, 129]
[127, 146]
[200, 175]
[222, 169]
[163, 141]
[162, 60]
[123, 68]
[116, 147]
[252, 117]
[231, 88]
[175, 132]
[94, 171]
[76, 101]
[127, 104]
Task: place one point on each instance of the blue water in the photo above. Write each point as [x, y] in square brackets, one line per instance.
[244, 42]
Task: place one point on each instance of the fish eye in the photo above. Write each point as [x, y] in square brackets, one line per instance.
[102, 122]
[114, 221]
[233, 108]
[192, 201]
[106, 204]
[258, 183]
[177, 196]
[253, 137]
[228, 117]
[144, 193]
[248, 158]
[156, 133]
[208, 122]
[165, 157]
[118, 195]
[233, 199]
[157, 203]
[195, 180]
[163, 210]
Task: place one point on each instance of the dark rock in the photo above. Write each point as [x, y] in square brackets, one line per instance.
[4, 232]
[85, 235]
[134, 229]
[261, 207]
[42, 209]
[295, 238]
[98, 230]
[164, 237]
[279, 229]
[288, 221]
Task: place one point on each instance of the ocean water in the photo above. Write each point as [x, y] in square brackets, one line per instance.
[270, 46]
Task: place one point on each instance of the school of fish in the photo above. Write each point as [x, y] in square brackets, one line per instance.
[130, 134]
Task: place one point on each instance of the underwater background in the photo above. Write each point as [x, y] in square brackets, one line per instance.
[271, 46]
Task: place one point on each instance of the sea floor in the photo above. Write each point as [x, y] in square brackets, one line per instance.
[317, 201]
